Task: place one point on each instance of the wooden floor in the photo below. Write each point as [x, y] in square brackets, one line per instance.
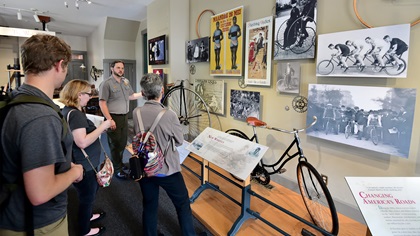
[218, 213]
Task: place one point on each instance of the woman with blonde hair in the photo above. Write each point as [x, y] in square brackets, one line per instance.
[75, 96]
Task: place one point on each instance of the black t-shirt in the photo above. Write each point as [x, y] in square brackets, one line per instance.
[79, 120]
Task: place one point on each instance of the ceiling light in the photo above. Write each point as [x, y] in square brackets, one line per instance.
[36, 17]
[89, 2]
[66, 5]
[82, 66]
[76, 4]
[19, 15]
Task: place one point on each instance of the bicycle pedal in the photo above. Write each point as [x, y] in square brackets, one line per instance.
[282, 170]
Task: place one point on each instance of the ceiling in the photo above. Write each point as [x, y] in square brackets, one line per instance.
[70, 20]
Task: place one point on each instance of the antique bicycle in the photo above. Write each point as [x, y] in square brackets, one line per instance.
[313, 189]
[304, 37]
[193, 112]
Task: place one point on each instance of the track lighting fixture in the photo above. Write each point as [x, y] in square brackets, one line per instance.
[77, 3]
[19, 11]
[19, 15]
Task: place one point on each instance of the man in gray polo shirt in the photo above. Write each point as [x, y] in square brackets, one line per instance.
[115, 94]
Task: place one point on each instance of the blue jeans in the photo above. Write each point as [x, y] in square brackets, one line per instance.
[86, 190]
[174, 186]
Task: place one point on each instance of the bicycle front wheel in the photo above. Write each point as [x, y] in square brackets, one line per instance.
[192, 111]
[317, 198]
[396, 69]
[347, 131]
[374, 136]
[325, 67]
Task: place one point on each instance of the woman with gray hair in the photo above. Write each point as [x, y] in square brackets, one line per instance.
[168, 130]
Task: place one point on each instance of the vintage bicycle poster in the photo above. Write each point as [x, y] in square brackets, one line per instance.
[374, 52]
[213, 93]
[226, 44]
[231, 153]
[379, 119]
[258, 41]
[295, 29]
[288, 77]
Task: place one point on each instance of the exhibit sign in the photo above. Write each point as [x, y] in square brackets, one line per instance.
[389, 205]
[226, 43]
[258, 40]
[236, 155]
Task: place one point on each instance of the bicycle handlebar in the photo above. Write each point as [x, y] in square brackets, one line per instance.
[294, 130]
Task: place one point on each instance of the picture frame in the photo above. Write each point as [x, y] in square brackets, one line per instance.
[197, 50]
[288, 77]
[244, 104]
[213, 93]
[378, 119]
[374, 52]
[226, 43]
[295, 29]
[259, 44]
[157, 50]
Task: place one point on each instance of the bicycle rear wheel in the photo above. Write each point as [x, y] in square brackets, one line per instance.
[317, 198]
[192, 111]
[347, 131]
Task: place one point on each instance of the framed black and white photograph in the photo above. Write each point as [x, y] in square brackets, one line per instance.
[157, 50]
[258, 41]
[375, 118]
[288, 77]
[197, 50]
[373, 52]
[244, 104]
[213, 93]
[295, 29]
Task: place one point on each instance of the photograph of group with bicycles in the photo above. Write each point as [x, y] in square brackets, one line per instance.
[374, 52]
[375, 118]
[295, 29]
[244, 104]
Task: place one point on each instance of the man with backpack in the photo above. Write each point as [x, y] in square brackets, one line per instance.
[167, 131]
[36, 145]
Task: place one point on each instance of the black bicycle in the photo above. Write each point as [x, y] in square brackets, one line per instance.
[313, 189]
[193, 112]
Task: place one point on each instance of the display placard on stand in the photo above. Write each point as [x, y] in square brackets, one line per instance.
[231, 153]
[390, 205]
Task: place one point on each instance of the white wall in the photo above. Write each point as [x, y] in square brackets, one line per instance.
[95, 45]
[77, 43]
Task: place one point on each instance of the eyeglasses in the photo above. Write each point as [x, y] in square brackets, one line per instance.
[89, 94]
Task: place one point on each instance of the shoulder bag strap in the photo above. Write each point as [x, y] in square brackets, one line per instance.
[83, 150]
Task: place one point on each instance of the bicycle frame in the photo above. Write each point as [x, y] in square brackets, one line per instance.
[286, 156]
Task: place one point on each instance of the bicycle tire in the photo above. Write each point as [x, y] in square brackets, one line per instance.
[325, 67]
[280, 34]
[347, 131]
[374, 136]
[191, 109]
[317, 198]
[393, 69]
[327, 127]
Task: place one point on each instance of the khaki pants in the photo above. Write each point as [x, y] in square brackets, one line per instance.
[58, 228]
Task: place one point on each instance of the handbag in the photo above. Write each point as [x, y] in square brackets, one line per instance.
[106, 169]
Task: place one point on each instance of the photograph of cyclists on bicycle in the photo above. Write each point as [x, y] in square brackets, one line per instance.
[295, 29]
[396, 48]
[379, 119]
[373, 52]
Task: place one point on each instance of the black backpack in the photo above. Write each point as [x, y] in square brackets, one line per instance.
[6, 101]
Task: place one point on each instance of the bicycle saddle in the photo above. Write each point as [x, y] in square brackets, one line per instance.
[255, 122]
